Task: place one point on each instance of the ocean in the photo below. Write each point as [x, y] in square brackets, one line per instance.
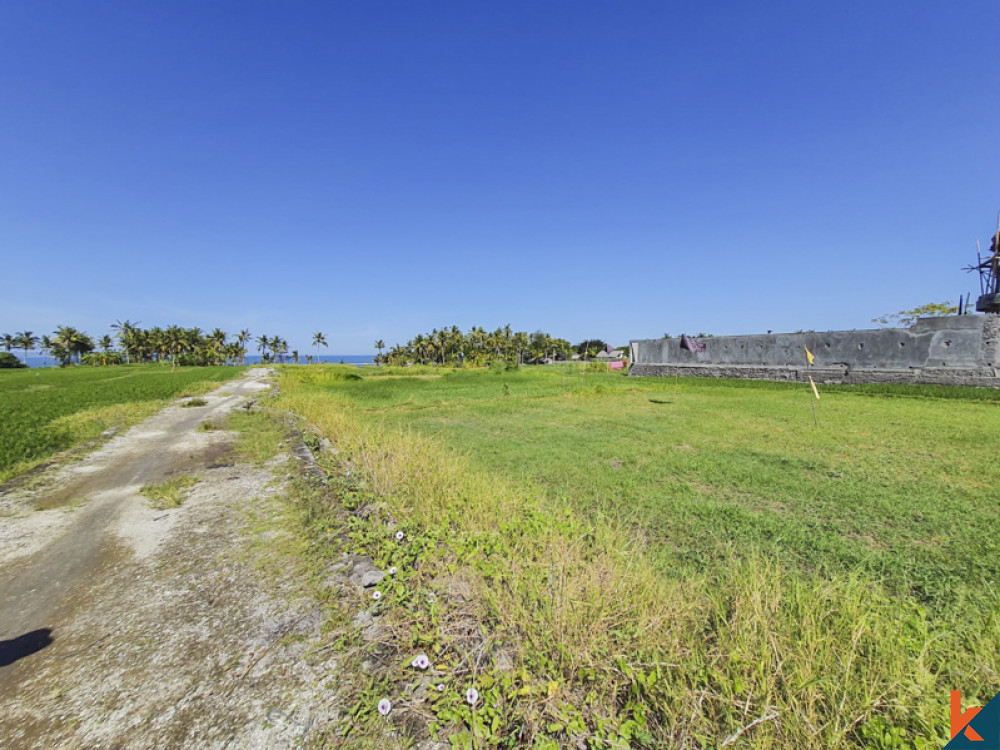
[359, 360]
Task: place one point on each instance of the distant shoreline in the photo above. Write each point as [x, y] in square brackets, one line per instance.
[359, 360]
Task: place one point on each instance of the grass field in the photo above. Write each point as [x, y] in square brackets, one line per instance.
[687, 561]
[49, 410]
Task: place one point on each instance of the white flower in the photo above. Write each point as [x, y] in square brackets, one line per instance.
[421, 662]
[392, 570]
[399, 536]
[377, 595]
[384, 707]
[472, 696]
[440, 687]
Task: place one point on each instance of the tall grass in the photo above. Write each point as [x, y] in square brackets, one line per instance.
[617, 631]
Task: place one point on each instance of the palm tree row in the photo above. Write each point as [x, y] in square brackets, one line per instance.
[477, 347]
[173, 344]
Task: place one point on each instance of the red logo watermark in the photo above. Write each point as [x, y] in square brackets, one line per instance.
[960, 721]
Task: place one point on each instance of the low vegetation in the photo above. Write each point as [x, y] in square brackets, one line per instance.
[170, 493]
[49, 410]
[619, 562]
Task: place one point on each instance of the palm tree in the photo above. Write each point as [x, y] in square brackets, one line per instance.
[380, 345]
[242, 338]
[8, 342]
[126, 335]
[441, 338]
[216, 340]
[26, 340]
[319, 340]
[45, 344]
[280, 348]
[156, 343]
[263, 344]
[175, 340]
[70, 342]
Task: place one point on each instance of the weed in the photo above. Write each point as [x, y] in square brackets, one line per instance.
[169, 494]
[194, 402]
[259, 435]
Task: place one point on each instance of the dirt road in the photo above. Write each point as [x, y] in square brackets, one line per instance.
[125, 626]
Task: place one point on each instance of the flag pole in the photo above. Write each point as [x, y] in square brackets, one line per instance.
[812, 384]
[813, 405]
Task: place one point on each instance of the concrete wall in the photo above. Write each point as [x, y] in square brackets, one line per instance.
[961, 350]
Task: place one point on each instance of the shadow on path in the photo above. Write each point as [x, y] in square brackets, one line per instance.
[24, 645]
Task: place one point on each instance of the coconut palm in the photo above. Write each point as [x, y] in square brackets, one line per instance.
[242, 338]
[8, 342]
[280, 348]
[126, 336]
[175, 341]
[216, 341]
[380, 345]
[319, 340]
[69, 342]
[26, 340]
[263, 344]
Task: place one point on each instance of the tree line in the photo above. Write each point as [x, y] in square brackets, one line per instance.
[480, 347]
[173, 344]
[178, 346]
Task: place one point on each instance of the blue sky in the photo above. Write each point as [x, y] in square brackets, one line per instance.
[594, 169]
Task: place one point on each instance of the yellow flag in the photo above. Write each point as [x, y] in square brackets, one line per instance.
[815, 392]
[809, 355]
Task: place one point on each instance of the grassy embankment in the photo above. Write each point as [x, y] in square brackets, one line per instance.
[663, 562]
[49, 410]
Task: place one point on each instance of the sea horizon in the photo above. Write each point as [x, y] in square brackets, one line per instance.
[358, 360]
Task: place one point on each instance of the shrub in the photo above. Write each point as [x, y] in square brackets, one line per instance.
[9, 362]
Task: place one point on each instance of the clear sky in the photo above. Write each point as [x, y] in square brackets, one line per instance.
[375, 169]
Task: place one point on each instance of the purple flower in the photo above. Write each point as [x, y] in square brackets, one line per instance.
[392, 570]
[384, 707]
[377, 595]
[440, 687]
[472, 696]
[399, 536]
[421, 662]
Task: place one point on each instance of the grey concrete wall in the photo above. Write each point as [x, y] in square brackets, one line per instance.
[962, 350]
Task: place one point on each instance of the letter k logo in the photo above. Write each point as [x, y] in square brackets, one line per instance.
[960, 721]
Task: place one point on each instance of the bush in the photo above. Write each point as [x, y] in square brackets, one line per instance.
[9, 362]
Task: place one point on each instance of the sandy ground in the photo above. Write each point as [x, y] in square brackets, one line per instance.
[124, 626]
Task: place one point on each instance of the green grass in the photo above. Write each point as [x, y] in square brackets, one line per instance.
[49, 410]
[842, 575]
[170, 493]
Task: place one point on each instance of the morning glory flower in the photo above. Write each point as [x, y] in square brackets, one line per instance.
[384, 707]
[392, 570]
[377, 595]
[440, 687]
[421, 662]
[472, 696]
[399, 536]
